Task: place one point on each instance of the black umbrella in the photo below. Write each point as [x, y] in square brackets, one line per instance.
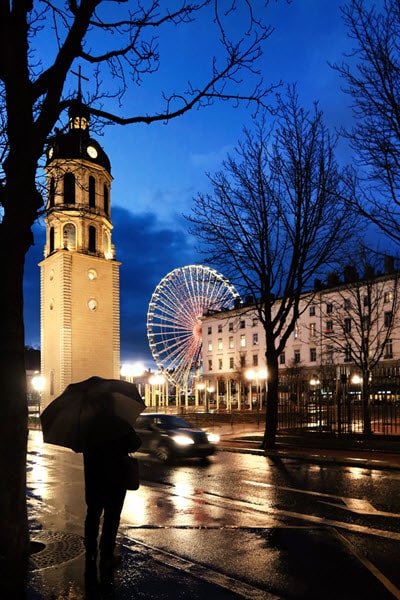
[91, 412]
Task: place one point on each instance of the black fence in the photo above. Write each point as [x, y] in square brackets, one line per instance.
[324, 416]
[342, 417]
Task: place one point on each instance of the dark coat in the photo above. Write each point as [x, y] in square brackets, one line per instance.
[103, 464]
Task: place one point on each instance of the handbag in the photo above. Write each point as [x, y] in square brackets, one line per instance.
[131, 472]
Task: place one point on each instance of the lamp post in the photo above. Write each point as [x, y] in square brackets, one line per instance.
[314, 383]
[356, 380]
[156, 381]
[131, 370]
[200, 388]
[257, 375]
[209, 390]
[38, 383]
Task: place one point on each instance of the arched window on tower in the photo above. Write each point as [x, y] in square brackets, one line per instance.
[106, 200]
[106, 242]
[92, 239]
[52, 192]
[69, 188]
[92, 192]
[51, 240]
[69, 236]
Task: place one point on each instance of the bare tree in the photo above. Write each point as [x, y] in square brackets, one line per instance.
[372, 80]
[275, 217]
[365, 310]
[114, 38]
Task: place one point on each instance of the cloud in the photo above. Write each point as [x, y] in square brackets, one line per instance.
[148, 250]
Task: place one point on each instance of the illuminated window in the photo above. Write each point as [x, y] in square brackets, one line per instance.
[242, 341]
[69, 236]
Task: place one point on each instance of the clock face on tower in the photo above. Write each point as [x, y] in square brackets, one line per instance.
[91, 150]
[92, 304]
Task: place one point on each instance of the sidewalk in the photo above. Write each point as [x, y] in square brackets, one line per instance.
[57, 570]
[373, 451]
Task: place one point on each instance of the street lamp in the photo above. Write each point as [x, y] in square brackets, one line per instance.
[131, 370]
[210, 390]
[156, 381]
[200, 388]
[314, 383]
[38, 383]
[257, 375]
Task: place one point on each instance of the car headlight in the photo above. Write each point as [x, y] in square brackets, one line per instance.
[213, 438]
[182, 440]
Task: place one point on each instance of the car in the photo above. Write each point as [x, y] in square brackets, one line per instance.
[171, 437]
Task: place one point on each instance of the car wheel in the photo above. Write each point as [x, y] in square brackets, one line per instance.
[163, 453]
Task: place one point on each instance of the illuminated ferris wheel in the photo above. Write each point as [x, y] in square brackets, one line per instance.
[174, 319]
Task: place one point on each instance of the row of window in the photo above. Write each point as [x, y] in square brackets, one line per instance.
[242, 362]
[231, 325]
[387, 297]
[69, 192]
[69, 239]
[231, 342]
[329, 357]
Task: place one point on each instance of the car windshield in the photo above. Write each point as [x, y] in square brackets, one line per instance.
[172, 422]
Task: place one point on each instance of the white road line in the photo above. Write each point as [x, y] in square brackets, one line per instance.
[209, 575]
[357, 505]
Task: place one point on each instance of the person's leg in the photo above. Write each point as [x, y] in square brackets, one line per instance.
[112, 513]
[92, 523]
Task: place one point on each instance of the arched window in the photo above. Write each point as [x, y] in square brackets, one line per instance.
[51, 240]
[69, 236]
[52, 192]
[92, 191]
[92, 239]
[69, 188]
[106, 241]
[106, 200]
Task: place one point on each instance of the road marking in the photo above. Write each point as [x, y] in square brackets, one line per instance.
[371, 567]
[209, 575]
[356, 505]
[244, 506]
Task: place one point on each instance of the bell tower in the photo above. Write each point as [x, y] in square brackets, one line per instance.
[79, 276]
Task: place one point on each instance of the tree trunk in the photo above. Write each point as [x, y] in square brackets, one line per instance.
[271, 417]
[14, 534]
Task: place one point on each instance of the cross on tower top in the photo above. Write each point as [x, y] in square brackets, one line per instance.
[80, 77]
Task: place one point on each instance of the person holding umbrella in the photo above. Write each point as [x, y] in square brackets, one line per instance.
[105, 492]
[96, 417]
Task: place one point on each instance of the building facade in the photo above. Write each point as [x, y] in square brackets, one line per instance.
[339, 324]
[79, 275]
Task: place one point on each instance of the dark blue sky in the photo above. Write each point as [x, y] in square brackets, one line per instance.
[158, 169]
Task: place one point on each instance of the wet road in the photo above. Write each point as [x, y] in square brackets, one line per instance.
[248, 526]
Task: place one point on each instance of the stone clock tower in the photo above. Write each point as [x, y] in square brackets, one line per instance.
[79, 276]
